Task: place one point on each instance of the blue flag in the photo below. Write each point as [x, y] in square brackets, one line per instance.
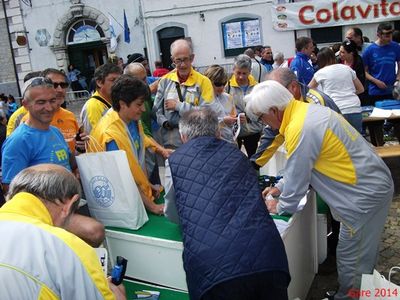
[127, 33]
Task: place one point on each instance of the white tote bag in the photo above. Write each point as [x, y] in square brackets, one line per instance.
[111, 192]
[376, 286]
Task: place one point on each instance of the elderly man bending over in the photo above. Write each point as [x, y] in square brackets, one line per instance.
[39, 258]
[324, 150]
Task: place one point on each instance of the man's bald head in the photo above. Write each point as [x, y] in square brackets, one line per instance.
[287, 78]
[137, 70]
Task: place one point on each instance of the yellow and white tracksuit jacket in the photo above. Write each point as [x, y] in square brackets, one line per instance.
[324, 150]
[196, 91]
[92, 111]
[41, 261]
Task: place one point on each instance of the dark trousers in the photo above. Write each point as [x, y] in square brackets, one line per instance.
[261, 286]
[250, 143]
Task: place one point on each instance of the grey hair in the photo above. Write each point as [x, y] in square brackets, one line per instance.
[242, 61]
[181, 42]
[47, 183]
[278, 55]
[284, 76]
[26, 89]
[249, 52]
[199, 122]
[266, 95]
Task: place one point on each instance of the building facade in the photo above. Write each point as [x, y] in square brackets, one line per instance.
[59, 33]
[55, 33]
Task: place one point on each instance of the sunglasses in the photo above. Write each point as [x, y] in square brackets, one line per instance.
[63, 85]
[219, 84]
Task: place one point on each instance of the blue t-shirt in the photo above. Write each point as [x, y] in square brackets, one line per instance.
[28, 146]
[381, 63]
[134, 133]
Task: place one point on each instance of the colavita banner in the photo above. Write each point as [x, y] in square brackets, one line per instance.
[325, 13]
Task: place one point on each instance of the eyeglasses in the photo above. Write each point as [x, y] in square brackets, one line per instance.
[37, 81]
[219, 84]
[63, 85]
[179, 61]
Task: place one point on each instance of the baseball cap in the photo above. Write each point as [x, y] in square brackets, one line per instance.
[136, 57]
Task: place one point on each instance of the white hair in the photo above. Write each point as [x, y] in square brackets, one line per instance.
[266, 95]
[279, 55]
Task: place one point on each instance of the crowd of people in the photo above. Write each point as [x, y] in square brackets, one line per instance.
[198, 124]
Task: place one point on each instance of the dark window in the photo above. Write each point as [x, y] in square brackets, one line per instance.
[240, 34]
[327, 35]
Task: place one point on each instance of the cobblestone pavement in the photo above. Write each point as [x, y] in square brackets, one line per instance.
[389, 254]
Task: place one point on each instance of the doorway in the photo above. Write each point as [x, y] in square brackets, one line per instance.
[86, 57]
[166, 37]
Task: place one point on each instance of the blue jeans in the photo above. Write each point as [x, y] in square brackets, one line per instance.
[355, 120]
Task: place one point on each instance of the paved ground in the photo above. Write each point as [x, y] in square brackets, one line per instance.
[389, 254]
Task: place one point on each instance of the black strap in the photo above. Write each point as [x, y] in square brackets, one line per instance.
[229, 87]
[102, 101]
[178, 89]
[259, 66]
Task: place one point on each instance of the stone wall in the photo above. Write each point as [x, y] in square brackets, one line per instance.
[8, 82]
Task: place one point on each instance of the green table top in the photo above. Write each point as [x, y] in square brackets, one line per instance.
[165, 293]
[161, 227]
[157, 226]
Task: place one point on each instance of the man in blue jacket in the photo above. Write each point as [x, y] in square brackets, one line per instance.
[232, 249]
[300, 64]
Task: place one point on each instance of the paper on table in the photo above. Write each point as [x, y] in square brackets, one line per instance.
[396, 112]
[380, 113]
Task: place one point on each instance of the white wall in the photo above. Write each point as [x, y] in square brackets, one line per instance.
[207, 35]
[47, 13]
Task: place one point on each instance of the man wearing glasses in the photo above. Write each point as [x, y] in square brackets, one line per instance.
[180, 91]
[35, 142]
[380, 61]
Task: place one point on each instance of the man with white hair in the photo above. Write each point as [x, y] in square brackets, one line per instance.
[279, 61]
[324, 150]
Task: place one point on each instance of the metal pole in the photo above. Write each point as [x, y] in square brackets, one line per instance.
[11, 47]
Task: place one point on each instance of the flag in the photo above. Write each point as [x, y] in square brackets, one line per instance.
[127, 33]
[113, 36]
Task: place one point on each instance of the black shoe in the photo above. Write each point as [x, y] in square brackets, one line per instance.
[330, 295]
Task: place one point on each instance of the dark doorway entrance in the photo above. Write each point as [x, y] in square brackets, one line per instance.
[86, 57]
[166, 37]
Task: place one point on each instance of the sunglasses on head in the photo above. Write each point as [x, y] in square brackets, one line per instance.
[219, 84]
[37, 81]
[63, 85]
